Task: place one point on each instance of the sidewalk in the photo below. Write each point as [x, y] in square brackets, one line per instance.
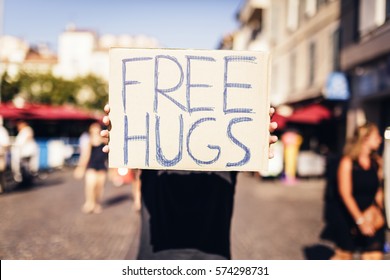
[45, 222]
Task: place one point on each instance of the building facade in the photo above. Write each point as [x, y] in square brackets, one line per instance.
[75, 52]
[365, 58]
[80, 53]
[83, 52]
[13, 52]
[304, 39]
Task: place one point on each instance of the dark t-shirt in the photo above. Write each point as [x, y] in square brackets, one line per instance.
[187, 210]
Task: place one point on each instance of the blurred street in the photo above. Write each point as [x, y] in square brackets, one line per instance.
[271, 221]
[46, 222]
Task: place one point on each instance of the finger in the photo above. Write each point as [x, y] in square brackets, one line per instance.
[271, 111]
[107, 108]
[106, 149]
[107, 122]
[273, 139]
[273, 126]
[105, 141]
[271, 153]
[104, 134]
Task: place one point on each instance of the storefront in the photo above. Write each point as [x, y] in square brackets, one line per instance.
[370, 100]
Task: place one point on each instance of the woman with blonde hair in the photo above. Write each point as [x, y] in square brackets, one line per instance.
[93, 164]
[358, 223]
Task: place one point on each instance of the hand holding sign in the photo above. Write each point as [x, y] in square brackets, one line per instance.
[190, 110]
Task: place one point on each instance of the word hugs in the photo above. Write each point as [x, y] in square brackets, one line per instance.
[189, 109]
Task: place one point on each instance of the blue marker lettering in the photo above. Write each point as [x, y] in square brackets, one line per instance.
[250, 59]
[212, 147]
[124, 81]
[164, 92]
[159, 153]
[247, 155]
[128, 138]
[189, 85]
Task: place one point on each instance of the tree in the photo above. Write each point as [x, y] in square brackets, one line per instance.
[47, 89]
[89, 91]
[93, 93]
[9, 88]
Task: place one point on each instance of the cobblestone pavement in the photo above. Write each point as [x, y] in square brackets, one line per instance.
[271, 221]
[46, 222]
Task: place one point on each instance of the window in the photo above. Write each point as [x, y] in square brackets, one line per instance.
[311, 7]
[301, 12]
[312, 63]
[293, 70]
[320, 3]
[387, 9]
[256, 22]
[292, 14]
[372, 14]
[380, 12]
[335, 41]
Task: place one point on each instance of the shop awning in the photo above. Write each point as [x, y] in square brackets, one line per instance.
[44, 112]
[311, 114]
[9, 112]
[280, 120]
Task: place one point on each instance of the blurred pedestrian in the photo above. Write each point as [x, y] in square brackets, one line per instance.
[24, 154]
[84, 141]
[186, 214]
[4, 145]
[93, 165]
[355, 220]
[136, 184]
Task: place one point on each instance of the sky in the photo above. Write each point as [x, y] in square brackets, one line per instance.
[194, 24]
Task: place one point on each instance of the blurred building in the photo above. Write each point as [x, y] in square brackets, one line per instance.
[75, 52]
[39, 59]
[80, 52]
[254, 19]
[365, 58]
[304, 39]
[12, 55]
[83, 52]
[330, 63]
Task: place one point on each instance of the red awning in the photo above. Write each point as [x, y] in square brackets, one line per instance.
[44, 112]
[9, 112]
[311, 114]
[280, 120]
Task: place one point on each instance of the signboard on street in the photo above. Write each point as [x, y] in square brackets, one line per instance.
[336, 87]
[189, 109]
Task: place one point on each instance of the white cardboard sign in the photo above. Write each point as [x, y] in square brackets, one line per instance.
[189, 109]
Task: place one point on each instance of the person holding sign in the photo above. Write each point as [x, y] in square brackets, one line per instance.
[186, 214]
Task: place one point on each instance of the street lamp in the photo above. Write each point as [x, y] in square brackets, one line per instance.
[387, 173]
